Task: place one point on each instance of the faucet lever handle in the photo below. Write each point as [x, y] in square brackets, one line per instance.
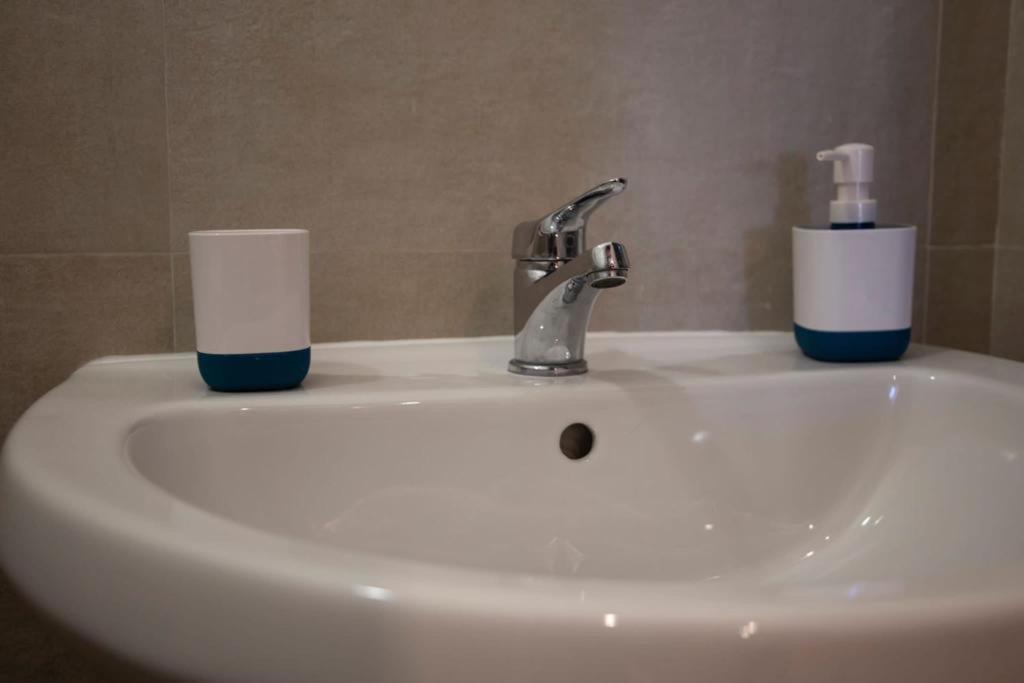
[560, 235]
[574, 215]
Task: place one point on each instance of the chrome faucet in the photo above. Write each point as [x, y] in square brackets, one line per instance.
[556, 282]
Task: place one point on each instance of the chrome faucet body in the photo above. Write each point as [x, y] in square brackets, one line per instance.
[556, 282]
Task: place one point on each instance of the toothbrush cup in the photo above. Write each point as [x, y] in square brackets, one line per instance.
[251, 298]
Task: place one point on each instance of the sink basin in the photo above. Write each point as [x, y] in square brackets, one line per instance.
[742, 513]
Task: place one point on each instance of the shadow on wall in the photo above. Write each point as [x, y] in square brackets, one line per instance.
[38, 648]
[767, 251]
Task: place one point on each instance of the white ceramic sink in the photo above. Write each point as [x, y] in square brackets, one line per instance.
[408, 515]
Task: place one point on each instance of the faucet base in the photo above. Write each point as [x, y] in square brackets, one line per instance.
[576, 367]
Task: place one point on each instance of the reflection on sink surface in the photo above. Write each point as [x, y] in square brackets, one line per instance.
[411, 501]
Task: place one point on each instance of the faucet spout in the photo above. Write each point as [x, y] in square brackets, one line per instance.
[603, 267]
[554, 301]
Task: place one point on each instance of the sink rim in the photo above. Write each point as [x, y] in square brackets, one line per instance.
[84, 507]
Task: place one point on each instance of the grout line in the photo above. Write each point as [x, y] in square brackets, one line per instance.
[167, 180]
[167, 125]
[174, 306]
[992, 298]
[454, 253]
[1007, 84]
[961, 247]
[992, 295]
[927, 261]
[70, 254]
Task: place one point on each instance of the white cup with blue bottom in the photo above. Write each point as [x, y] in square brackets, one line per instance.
[250, 292]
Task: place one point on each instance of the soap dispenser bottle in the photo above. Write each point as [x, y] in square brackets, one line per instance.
[853, 280]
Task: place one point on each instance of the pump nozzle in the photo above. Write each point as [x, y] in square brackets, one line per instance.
[832, 155]
[852, 171]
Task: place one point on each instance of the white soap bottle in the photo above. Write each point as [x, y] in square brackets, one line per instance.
[853, 280]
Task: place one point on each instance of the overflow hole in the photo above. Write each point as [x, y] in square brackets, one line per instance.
[576, 441]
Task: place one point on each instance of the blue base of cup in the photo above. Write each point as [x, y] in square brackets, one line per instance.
[254, 371]
[852, 347]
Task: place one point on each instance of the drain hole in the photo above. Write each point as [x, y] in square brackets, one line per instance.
[576, 441]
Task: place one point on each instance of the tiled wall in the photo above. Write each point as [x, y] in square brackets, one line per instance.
[968, 127]
[1008, 296]
[84, 269]
[976, 252]
[966, 189]
[411, 137]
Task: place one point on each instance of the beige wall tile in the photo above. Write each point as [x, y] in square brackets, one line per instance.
[717, 289]
[58, 311]
[184, 319]
[436, 128]
[375, 296]
[672, 294]
[82, 126]
[920, 293]
[367, 296]
[1011, 201]
[960, 298]
[968, 121]
[1008, 304]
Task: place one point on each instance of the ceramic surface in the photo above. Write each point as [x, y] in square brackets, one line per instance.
[406, 515]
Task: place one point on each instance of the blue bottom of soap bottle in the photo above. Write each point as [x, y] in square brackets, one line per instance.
[852, 347]
[254, 371]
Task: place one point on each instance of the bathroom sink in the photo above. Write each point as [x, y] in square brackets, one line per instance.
[721, 509]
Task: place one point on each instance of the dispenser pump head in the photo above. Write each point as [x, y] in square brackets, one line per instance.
[853, 171]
